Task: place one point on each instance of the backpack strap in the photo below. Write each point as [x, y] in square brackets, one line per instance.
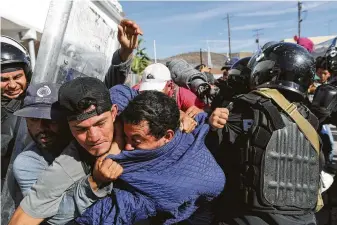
[291, 110]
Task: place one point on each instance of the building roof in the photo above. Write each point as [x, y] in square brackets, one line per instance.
[315, 40]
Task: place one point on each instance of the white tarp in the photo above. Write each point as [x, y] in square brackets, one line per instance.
[321, 49]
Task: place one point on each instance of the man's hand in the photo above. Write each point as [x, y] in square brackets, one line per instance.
[105, 171]
[193, 111]
[187, 124]
[219, 118]
[128, 32]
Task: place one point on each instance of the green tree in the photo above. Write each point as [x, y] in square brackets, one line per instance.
[141, 59]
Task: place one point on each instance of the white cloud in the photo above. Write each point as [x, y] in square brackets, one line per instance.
[290, 29]
[254, 26]
[219, 10]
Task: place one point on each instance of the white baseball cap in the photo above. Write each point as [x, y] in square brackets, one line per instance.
[155, 77]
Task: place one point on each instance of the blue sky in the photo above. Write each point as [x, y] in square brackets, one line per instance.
[180, 27]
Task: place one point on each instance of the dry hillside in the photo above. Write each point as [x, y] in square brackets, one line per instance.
[194, 58]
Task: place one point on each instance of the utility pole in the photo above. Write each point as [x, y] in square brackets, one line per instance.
[155, 51]
[200, 57]
[257, 37]
[229, 36]
[299, 7]
[209, 59]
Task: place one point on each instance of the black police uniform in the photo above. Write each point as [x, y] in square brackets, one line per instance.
[272, 169]
[13, 55]
[324, 106]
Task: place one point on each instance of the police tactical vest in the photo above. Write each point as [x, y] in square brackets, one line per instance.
[9, 125]
[279, 169]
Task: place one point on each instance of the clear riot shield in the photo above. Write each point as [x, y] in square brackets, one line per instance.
[79, 39]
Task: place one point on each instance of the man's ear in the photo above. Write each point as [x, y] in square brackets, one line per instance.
[114, 110]
[168, 136]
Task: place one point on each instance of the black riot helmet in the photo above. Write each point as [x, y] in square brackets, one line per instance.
[229, 63]
[268, 44]
[331, 60]
[284, 66]
[239, 76]
[252, 60]
[14, 54]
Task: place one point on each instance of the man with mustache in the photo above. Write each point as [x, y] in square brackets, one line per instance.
[16, 72]
[78, 176]
[47, 127]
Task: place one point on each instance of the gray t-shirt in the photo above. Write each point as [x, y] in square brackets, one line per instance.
[62, 192]
[118, 71]
[29, 165]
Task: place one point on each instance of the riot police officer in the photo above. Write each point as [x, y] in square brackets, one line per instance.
[226, 67]
[236, 83]
[269, 148]
[324, 105]
[16, 73]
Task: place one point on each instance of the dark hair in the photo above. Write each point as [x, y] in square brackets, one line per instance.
[160, 111]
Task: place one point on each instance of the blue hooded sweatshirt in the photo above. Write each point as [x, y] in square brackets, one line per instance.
[173, 183]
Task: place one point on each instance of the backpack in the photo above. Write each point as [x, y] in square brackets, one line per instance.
[280, 156]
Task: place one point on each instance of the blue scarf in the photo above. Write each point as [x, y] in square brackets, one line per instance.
[169, 183]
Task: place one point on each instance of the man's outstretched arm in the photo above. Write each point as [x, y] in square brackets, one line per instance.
[22, 218]
[120, 67]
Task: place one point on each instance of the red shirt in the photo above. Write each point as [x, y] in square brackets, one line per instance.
[185, 98]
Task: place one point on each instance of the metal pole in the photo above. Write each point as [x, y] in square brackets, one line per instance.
[155, 51]
[257, 36]
[229, 37]
[299, 4]
[31, 49]
[200, 57]
[209, 60]
[51, 42]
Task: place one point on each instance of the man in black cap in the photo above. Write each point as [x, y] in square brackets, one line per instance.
[48, 128]
[91, 117]
[79, 176]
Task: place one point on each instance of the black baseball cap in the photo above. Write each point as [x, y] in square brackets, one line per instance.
[73, 92]
[41, 102]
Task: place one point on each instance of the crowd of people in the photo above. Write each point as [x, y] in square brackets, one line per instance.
[178, 148]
